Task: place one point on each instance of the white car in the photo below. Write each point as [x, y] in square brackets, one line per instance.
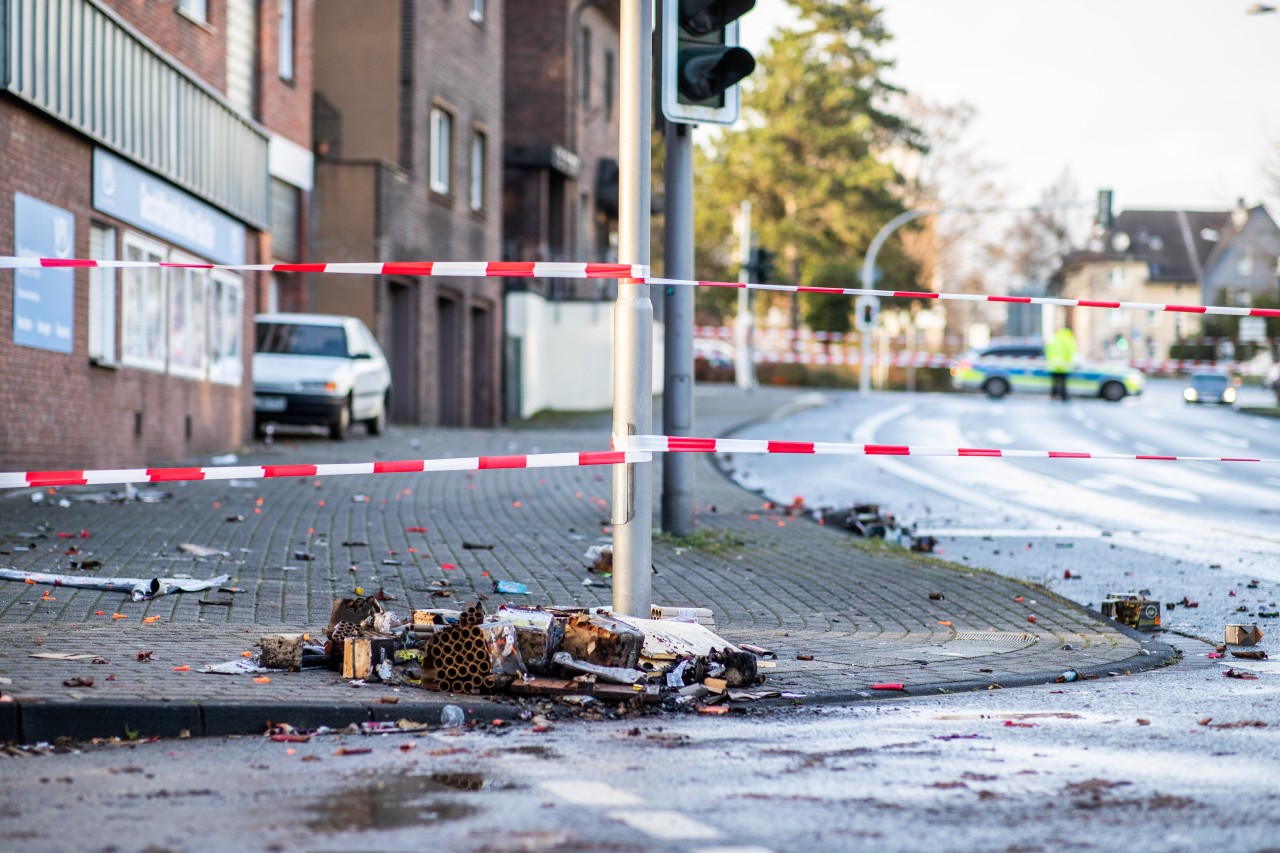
[318, 369]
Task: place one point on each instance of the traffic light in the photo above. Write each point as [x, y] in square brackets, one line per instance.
[867, 310]
[701, 60]
[761, 266]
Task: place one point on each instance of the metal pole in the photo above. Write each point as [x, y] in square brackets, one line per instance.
[677, 394]
[632, 512]
[744, 365]
[868, 274]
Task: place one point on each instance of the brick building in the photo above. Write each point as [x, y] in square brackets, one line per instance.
[408, 136]
[144, 130]
[560, 198]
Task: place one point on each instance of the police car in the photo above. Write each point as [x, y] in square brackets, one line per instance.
[1000, 369]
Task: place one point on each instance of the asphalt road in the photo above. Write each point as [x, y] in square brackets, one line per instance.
[1204, 531]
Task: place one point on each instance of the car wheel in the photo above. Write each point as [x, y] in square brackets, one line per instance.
[341, 423]
[996, 388]
[1113, 392]
[377, 424]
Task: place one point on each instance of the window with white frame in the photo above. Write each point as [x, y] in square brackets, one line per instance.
[226, 328]
[477, 11]
[196, 10]
[479, 144]
[142, 315]
[441, 154]
[102, 296]
[188, 318]
[285, 39]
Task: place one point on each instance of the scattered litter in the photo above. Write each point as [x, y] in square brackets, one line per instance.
[451, 716]
[201, 550]
[241, 666]
[78, 681]
[1243, 635]
[889, 685]
[477, 546]
[225, 459]
[139, 589]
[1255, 654]
[62, 656]
[1068, 675]
[510, 588]
[937, 596]
[600, 559]
[1246, 676]
[1133, 609]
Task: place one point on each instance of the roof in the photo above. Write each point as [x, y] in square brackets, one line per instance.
[1175, 243]
[304, 319]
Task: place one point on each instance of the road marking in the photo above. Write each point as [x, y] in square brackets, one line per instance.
[999, 436]
[589, 793]
[1090, 423]
[1272, 481]
[1145, 449]
[1010, 533]
[1228, 440]
[719, 849]
[1113, 435]
[666, 825]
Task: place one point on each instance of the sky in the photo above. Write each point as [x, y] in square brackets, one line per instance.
[1169, 103]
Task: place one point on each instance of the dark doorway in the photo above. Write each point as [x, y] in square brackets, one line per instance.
[404, 352]
[449, 359]
[482, 373]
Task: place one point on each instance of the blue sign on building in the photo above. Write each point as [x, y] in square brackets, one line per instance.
[44, 307]
[136, 196]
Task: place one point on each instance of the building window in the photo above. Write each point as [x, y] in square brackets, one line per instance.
[477, 11]
[285, 43]
[609, 70]
[478, 148]
[284, 221]
[102, 296]
[226, 328]
[441, 150]
[196, 10]
[142, 328]
[188, 318]
[1244, 266]
[586, 67]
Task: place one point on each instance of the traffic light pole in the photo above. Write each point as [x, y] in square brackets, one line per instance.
[744, 365]
[677, 394]
[632, 510]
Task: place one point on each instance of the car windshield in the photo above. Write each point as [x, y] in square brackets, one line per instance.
[1209, 380]
[301, 339]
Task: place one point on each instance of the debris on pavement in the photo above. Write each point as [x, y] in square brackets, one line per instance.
[139, 589]
[202, 550]
[1133, 609]
[1243, 635]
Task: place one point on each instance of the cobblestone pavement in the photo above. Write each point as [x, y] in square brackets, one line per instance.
[864, 615]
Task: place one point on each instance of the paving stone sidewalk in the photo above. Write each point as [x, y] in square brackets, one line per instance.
[864, 616]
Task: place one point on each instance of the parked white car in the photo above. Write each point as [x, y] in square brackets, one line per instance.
[318, 369]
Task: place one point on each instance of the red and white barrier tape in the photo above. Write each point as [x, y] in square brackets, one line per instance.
[19, 479]
[682, 444]
[934, 359]
[501, 269]
[547, 269]
[973, 297]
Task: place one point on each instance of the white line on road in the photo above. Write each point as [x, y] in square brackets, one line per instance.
[1113, 435]
[589, 793]
[1227, 440]
[666, 825]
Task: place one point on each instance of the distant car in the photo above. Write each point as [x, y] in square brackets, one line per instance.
[1210, 388]
[1000, 369]
[318, 369]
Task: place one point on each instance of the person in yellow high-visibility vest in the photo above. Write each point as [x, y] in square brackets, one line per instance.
[1060, 354]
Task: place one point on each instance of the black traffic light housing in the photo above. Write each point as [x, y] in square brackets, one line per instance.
[761, 266]
[701, 61]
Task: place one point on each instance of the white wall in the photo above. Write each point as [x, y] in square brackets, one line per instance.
[567, 353]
